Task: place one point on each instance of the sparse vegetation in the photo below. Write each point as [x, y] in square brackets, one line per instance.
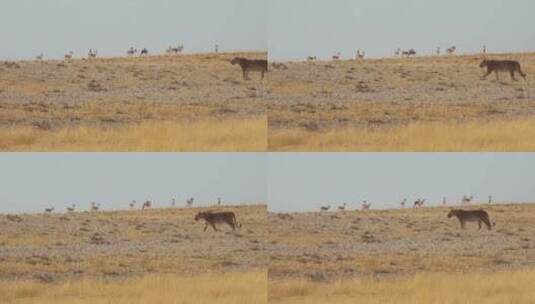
[423, 104]
[66, 105]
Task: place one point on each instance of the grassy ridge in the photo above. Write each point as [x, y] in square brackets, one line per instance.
[224, 289]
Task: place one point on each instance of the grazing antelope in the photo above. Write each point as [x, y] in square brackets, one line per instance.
[95, 207]
[451, 50]
[408, 53]
[71, 209]
[342, 208]
[49, 210]
[69, 55]
[189, 202]
[360, 55]
[132, 204]
[175, 50]
[144, 52]
[325, 208]
[366, 205]
[146, 205]
[312, 58]
[467, 199]
[337, 56]
[418, 203]
[40, 57]
[92, 54]
[131, 51]
[403, 202]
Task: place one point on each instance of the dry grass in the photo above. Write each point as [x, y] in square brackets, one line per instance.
[509, 136]
[232, 288]
[495, 288]
[208, 135]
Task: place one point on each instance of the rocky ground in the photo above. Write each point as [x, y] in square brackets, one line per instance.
[353, 244]
[388, 92]
[122, 244]
[114, 91]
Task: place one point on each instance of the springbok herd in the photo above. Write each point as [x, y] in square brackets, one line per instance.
[359, 54]
[148, 204]
[418, 203]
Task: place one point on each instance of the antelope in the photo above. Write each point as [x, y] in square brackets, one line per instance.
[484, 50]
[173, 202]
[69, 55]
[337, 56]
[219, 201]
[490, 199]
[325, 208]
[49, 210]
[146, 205]
[92, 54]
[366, 205]
[216, 48]
[189, 202]
[342, 208]
[95, 207]
[312, 58]
[360, 55]
[175, 50]
[71, 209]
[144, 52]
[444, 201]
[132, 204]
[438, 50]
[40, 57]
[418, 203]
[409, 53]
[403, 202]
[451, 50]
[467, 199]
[131, 51]
[398, 52]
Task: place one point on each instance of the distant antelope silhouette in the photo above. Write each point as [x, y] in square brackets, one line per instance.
[325, 208]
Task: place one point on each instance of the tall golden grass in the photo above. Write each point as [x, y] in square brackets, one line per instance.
[497, 288]
[223, 289]
[422, 137]
[208, 136]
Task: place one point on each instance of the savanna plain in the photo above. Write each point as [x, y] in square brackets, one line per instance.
[426, 103]
[412, 255]
[193, 102]
[150, 256]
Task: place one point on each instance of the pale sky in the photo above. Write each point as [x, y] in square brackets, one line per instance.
[301, 28]
[304, 182]
[34, 181]
[54, 27]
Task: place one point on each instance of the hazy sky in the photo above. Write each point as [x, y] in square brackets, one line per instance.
[29, 27]
[33, 181]
[300, 28]
[300, 182]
